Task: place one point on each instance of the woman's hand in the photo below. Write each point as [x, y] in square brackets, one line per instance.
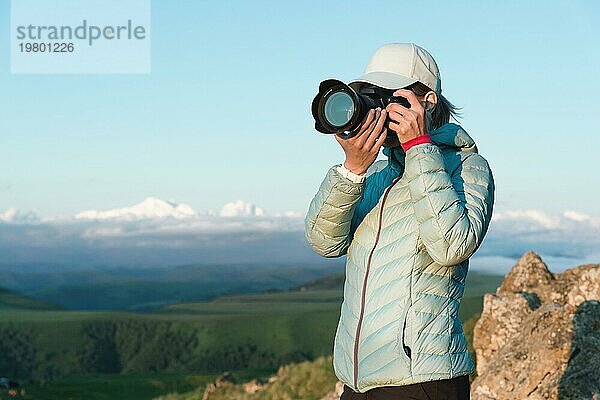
[362, 149]
[408, 123]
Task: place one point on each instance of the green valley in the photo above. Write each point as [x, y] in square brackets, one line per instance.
[180, 346]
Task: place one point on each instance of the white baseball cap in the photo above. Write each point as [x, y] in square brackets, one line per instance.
[397, 65]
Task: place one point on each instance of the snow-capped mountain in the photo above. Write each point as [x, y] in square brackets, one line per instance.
[150, 208]
[241, 209]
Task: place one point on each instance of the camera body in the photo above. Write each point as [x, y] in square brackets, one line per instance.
[339, 109]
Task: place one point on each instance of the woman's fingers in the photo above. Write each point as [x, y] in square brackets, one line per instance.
[380, 140]
[395, 116]
[400, 127]
[365, 125]
[361, 150]
[362, 131]
[377, 131]
[364, 136]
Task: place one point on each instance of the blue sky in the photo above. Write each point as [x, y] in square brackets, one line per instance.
[224, 114]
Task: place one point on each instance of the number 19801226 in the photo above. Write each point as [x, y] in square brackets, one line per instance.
[47, 47]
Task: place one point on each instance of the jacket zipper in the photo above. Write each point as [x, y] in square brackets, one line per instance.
[364, 287]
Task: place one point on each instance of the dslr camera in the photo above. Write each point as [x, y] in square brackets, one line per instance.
[339, 109]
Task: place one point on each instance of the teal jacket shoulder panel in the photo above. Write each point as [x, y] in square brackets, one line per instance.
[375, 185]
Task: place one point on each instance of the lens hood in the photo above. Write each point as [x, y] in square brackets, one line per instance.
[327, 88]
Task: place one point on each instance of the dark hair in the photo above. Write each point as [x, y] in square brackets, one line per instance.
[442, 111]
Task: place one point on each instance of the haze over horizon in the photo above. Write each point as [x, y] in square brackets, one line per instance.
[231, 116]
[156, 233]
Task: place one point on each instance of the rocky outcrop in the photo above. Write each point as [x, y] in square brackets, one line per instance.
[225, 379]
[298, 381]
[539, 335]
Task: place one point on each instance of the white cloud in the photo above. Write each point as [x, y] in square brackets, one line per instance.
[289, 214]
[199, 225]
[532, 218]
[566, 239]
[12, 215]
[578, 216]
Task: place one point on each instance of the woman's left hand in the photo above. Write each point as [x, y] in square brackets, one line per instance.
[408, 123]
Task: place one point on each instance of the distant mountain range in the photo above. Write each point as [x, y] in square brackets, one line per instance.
[151, 288]
[149, 208]
[157, 232]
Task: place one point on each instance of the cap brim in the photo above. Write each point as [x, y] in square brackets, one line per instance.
[385, 80]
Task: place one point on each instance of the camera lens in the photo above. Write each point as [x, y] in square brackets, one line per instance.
[339, 109]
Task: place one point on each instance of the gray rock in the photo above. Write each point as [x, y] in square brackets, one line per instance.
[539, 335]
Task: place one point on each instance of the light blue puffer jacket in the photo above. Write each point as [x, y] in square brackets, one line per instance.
[408, 232]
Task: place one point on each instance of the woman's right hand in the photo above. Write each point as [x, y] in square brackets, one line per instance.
[362, 149]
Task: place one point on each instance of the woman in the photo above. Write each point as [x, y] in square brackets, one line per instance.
[408, 230]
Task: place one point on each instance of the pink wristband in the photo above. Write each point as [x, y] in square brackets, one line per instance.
[415, 141]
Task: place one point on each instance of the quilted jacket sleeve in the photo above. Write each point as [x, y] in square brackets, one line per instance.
[328, 221]
[453, 208]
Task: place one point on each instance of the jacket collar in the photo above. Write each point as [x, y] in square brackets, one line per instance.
[448, 137]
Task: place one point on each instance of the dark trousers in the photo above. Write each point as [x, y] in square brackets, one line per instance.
[445, 389]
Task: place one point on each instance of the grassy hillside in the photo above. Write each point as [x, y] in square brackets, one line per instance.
[147, 289]
[262, 331]
[10, 300]
[130, 386]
